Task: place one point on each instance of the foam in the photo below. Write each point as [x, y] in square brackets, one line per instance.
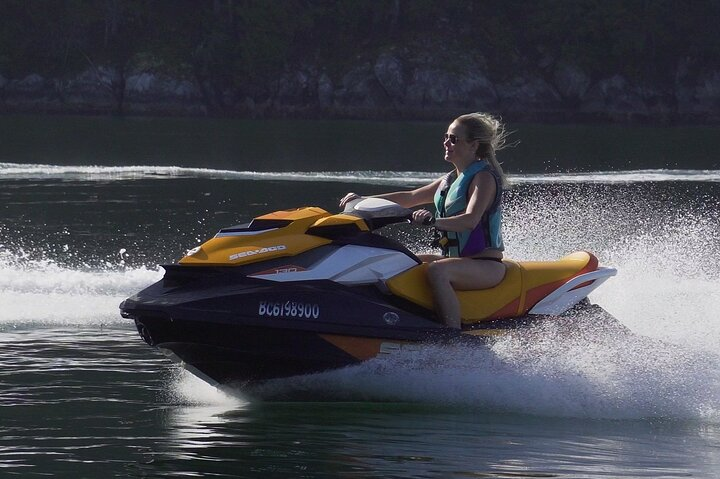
[187, 389]
[553, 370]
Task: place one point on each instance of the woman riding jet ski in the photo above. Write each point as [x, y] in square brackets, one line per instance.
[468, 204]
[302, 291]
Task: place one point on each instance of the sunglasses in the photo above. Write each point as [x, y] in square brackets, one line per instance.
[453, 139]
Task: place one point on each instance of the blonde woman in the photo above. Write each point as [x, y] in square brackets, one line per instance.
[468, 213]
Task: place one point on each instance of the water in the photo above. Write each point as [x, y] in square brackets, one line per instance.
[90, 207]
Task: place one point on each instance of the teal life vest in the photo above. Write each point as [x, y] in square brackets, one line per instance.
[451, 198]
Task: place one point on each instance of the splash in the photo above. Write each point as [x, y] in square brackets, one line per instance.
[188, 390]
[43, 292]
[581, 369]
[667, 255]
[664, 362]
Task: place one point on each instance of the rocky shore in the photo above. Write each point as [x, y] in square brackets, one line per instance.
[390, 86]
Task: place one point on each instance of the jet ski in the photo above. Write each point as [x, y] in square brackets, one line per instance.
[303, 291]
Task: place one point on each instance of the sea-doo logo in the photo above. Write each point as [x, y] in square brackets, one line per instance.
[253, 252]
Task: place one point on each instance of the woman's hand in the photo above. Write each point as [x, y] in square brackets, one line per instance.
[423, 217]
[348, 198]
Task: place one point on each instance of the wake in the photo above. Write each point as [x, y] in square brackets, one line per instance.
[13, 171]
[587, 371]
[36, 292]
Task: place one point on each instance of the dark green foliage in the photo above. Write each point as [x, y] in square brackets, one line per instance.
[241, 45]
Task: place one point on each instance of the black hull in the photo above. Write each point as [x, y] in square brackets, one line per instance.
[216, 328]
[238, 354]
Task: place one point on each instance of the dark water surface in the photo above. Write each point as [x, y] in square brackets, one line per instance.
[293, 145]
[90, 207]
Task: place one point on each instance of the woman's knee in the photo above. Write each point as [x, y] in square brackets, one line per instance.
[437, 273]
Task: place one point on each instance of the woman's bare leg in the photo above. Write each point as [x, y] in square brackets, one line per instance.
[451, 274]
[429, 258]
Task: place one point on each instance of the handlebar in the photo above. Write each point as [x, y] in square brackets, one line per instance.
[378, 212]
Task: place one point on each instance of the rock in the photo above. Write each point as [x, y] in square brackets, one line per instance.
[297, 87]
[151, 87]
[325, 90]
[89, 86]
[439, 88]
[614, 96]
[571, 82]
[528, 94]
[186, 89]
[401, 83]
[33, 83]
[473, 90]
[105, 75]
[660, 103]
[708, 91]
[360, 88]
[701, 98]
[428, 88]
[389, 73]
[142, 83]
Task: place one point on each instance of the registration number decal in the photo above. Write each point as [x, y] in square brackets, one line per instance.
[288, 309]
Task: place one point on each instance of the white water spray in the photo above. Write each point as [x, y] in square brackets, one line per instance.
[40, 291]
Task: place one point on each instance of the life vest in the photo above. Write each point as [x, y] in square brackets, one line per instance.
[451, 198]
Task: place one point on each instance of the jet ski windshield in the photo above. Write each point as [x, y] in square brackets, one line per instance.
[378, 212]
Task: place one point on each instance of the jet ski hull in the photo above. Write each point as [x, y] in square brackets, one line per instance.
[244, 353]
[239, 354]
[230, 344]
[234, 329]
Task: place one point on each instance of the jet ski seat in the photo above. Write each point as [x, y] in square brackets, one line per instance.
[524, 285]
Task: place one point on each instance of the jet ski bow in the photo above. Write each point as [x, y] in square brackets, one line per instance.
[302, 291]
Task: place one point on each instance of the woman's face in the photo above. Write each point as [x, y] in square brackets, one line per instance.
[457, 147]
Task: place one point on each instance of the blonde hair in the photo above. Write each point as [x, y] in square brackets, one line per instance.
[491, 134]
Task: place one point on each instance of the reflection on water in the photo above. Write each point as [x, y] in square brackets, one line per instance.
[411, 440]
[86, 402]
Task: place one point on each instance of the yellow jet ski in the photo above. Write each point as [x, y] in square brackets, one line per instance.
[302, 291]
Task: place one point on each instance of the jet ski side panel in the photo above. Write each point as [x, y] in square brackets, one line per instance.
[349, 265]
[229, 327]
[322, 306]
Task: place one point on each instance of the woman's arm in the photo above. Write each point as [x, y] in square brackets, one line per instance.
[406, 199]
[412, 198]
